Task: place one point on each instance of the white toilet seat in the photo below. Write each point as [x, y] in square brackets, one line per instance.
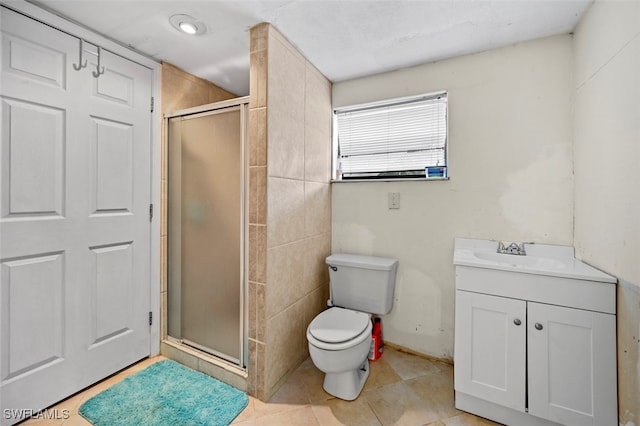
[338, 328]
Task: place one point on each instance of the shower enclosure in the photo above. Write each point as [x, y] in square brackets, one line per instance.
[207, 229]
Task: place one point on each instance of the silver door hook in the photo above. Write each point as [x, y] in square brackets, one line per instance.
[80, 64]
[99, 70]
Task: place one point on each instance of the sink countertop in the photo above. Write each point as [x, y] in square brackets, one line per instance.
[541, 259]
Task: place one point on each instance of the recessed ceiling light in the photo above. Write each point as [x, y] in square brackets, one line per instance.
[188, 27]
[187, 24]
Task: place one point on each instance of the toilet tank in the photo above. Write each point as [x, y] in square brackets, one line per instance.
[362, 283]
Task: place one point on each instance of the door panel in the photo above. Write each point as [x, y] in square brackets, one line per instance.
[114, 86]
[564, 348]
[75, 194]
[490, 348]
[112, 152]
[117, 123]
[33, 148]
[32, 293]
[37, 62]
[38, 343]
[111, 281]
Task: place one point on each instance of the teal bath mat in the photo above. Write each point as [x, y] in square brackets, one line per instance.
[165, 393]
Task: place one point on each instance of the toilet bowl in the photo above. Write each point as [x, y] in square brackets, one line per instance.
[339, 342]
[340, 337]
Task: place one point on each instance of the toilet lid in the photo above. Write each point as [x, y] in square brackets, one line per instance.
[337, 325]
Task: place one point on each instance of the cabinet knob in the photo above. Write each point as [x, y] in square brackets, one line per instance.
[517, 321]
[538, 326]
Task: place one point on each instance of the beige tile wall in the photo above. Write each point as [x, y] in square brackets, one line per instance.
[290, 206]
[181, 90]
[258, 126]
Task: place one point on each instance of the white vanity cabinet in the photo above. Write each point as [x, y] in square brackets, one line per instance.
[535, 349]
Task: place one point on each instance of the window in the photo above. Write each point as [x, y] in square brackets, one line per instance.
[395, 139]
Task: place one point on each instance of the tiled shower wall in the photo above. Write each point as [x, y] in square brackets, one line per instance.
[290, 206]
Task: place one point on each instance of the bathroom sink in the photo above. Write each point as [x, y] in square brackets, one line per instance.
[525, 262]
[541, 259]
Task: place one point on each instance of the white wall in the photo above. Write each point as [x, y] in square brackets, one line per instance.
[607, 134]
[510, 155]
[607, 171]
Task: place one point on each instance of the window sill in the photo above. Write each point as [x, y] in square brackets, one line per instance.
[391, 180]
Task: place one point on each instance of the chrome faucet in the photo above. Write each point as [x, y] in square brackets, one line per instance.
[513, 248]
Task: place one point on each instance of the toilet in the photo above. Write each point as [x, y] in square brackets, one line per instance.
[340, 337]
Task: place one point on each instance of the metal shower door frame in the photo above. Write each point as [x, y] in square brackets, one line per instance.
[242, 103]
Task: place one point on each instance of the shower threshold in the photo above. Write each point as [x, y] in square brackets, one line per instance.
[210, 351]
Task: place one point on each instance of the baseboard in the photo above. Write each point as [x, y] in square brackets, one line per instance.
[416, 353]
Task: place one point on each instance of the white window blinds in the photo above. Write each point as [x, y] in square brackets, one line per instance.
[395, 139]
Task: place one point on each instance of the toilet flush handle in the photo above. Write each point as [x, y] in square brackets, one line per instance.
[330, 301]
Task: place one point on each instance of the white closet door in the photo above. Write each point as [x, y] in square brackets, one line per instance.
[74, 215]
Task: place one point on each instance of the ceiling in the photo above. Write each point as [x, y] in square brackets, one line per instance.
[344, 39]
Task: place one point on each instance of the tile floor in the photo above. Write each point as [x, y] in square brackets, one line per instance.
[402, 389]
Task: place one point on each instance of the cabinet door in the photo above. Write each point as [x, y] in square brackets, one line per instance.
[572, 365]
[490, 346]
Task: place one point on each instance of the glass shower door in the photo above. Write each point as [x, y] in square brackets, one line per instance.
[206, 231]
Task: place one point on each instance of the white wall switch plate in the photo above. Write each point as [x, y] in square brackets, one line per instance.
[394, 200]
